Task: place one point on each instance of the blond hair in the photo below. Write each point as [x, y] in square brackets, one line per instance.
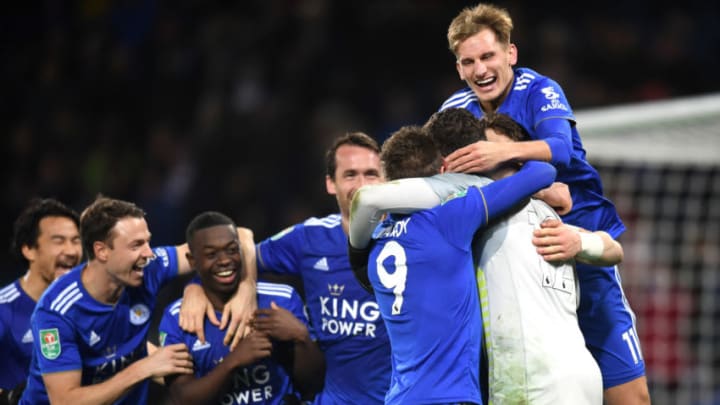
[470, 21]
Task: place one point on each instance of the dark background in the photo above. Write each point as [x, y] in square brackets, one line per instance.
[185, 106]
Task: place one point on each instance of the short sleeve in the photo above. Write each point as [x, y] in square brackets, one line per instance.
[55, 346]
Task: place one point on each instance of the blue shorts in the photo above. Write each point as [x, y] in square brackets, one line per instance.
[608, 325]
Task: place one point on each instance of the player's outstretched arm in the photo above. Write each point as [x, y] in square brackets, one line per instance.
[504, 194]
[554, 145]
[187, 389]
[557, 196]
[65, 387]
[483, 156]
[371, 202]
[195, 306]
[239, 311]
[556, 241]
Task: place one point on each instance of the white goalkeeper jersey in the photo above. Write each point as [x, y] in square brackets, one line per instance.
[536, 351]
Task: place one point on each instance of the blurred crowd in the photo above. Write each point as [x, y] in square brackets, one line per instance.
[187, 105]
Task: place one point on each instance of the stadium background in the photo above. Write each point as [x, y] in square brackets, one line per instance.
[185, 106]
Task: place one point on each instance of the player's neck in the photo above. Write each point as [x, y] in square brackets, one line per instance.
[99, 284]
[217, 299]
[346, 224]
[33, 284]
[491, 107]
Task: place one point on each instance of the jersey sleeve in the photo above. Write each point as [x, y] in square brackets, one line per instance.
[461, 216]
[169, 331]
[372, 201]
[55, 346]
[502, 195]
[552, 119]
[162, 269]
[547, 100]
[280, 253]
[466, 212]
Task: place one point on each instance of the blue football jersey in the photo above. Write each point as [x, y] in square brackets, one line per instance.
[265, 382]
[344, 316]
[423, 274]
[16, 338]
[532, 99]
[605, 317]
[73, 331]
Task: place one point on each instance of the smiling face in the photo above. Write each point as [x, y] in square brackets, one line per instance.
[57, 250]
[127, 252]
[215, 254]
[485, 64]
[355, 167]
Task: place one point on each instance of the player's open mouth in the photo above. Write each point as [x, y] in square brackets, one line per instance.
[65, 266]
[139, 266]
[225, 276]
[485, 82]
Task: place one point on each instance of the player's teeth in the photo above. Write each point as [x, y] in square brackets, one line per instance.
[225, 273]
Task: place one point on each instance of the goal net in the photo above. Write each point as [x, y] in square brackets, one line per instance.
[660, 165]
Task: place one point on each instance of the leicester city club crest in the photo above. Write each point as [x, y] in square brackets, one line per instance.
[139, 314]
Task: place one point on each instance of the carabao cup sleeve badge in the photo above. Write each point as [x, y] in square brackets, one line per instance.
[50, 343]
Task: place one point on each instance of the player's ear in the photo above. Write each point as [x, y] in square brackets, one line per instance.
[29, 253]
[330, 185]
[190, 259]
[512, 54]
[101, 250]
[459, 70]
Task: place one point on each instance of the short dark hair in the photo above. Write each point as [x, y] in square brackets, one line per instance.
[410, 152]
[100, 217]
[26, 228]
[204, 220]
[505, 125]
[353, 139]
[454, 128]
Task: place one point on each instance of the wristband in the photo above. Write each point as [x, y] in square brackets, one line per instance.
[592, 245]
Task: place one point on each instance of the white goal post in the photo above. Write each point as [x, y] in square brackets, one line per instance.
[660, 164]
[683, 130]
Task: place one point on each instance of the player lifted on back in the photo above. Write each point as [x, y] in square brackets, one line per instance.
[480, 39]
